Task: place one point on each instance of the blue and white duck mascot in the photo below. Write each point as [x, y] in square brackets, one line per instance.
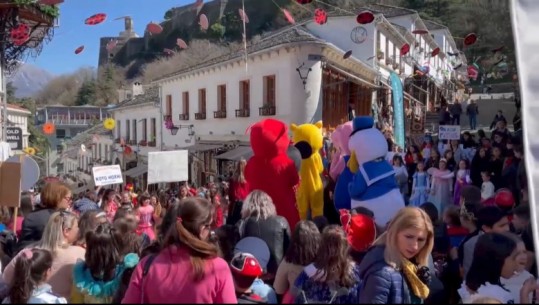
[374, 185]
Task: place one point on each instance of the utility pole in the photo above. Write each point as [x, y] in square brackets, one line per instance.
[4, 94]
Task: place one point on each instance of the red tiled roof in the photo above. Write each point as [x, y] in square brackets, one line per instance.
[17, 107]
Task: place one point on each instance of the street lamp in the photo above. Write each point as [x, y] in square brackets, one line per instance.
[174, 130]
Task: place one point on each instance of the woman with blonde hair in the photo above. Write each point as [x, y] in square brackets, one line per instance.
[61, 232]
[237, 192]
[395, 270]
[333, 277]
[260, 219]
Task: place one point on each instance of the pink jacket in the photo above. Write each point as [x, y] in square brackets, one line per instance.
[170, 280]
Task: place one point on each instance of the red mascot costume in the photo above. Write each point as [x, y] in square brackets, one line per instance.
[271, 170]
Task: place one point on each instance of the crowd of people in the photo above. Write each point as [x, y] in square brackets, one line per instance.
[465, 235]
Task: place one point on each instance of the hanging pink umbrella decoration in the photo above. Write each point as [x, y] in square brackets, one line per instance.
[79, 50]
[198, 5]
[168, 51]
[20, 34]
[95, 19]
[243, 16]
[203, 22]
[320, 16]
[473, 72]
[365, 17]
[154, 28]
[111, 45]
[289, 16]
[181, 43]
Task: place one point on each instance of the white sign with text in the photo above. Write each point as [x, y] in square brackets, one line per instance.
[449, 132]
[107, 175]
[168, 166]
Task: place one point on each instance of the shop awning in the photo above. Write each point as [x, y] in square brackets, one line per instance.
[199, 147]
[236, 154]
[137, 171]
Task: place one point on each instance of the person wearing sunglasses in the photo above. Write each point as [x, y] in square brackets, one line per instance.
[54, 196]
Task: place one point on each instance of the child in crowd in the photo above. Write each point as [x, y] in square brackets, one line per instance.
[420, 186]
[462, 179]
[145, 213]
[34, 268]
[487, 188]
[245, 270]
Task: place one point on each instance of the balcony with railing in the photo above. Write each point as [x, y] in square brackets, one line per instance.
[242, 113]
[267, 110]
[167, 117]
[200, 116]
[219, 114]
[184, 117]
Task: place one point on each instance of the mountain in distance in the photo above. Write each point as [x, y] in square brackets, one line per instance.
[29, 79]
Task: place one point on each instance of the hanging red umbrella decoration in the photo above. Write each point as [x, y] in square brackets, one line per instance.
[20, 34]
[435, 52]
[181, 43]
[365, 17]
[470, 39]
[79, 50]
[304, 1]
[405, 49]
[320, 16]
[289, 16]
[420, 32]
[154, 28]
[473, 72]
[203, 22]
[95, 19]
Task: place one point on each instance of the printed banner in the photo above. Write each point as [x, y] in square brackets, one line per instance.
[449, 132]
[398, 109]
[107, 175]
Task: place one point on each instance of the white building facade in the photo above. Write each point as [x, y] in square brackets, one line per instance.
[211, 107]
[136, 133]
[17, 118]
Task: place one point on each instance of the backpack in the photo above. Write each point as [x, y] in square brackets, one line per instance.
[314, 292]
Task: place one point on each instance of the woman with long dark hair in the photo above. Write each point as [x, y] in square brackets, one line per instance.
[187, 269]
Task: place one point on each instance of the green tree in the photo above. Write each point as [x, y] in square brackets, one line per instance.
[87, 94]
[217, 31]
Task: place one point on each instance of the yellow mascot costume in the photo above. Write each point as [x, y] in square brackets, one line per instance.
[308, 140]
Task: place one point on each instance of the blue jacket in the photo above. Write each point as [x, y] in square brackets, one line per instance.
[381, 283]
[382, 180]
[341, 195]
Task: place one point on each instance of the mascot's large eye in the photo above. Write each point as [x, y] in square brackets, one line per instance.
[305, 149]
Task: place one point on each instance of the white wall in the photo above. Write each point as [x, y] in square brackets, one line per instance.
[137, 113]
[294, 104]
[333, 33]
